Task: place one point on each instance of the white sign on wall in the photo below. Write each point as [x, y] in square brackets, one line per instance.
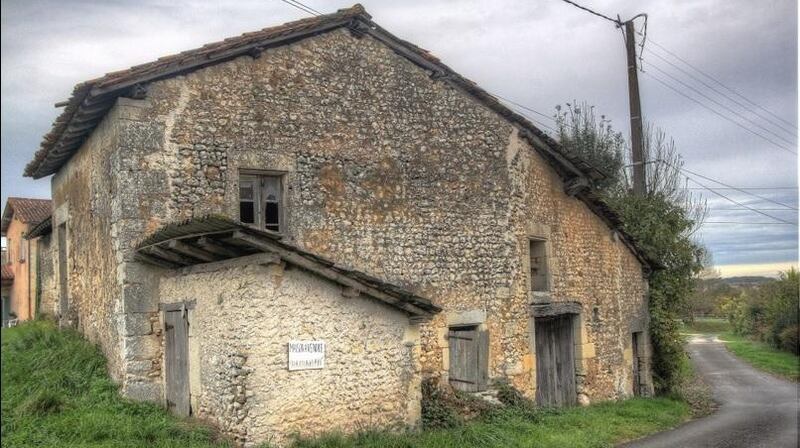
[304, 355]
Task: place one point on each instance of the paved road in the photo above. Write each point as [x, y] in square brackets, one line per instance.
[756, 409]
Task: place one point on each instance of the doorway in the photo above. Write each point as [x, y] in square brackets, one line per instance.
[176, 361]
[636, 347]
[555, 361]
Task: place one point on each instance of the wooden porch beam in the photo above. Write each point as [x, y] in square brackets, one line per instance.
[185, 249]
[210, 245]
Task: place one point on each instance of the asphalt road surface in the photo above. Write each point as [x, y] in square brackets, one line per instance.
[756, 409]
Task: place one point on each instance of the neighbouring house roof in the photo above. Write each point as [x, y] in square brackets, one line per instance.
[27, 210]
[8, 274]
[91, 100]
[45, 227]
[215, 239]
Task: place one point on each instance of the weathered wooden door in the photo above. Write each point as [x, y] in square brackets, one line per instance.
[469, 358]
[636, 343]
[63, 283]
[176, 361]
[555, 361]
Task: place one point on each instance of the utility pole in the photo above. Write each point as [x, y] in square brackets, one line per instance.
[639, 176]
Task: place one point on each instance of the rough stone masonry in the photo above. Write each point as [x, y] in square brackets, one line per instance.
[386, 169]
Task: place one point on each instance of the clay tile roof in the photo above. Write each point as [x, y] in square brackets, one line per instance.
[27, 210]
[8, 273]
[90, 100]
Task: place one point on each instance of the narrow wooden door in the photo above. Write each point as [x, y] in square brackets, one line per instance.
[469, 361]
[555, 361]
[635, 347]
[176, 361]
[63, 283]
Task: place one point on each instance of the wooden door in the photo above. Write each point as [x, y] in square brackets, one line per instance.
[636, 343]
[555, 361]
[63, 283]
[176, 361]
[469, 360]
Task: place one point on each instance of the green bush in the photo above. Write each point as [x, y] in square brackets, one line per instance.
[788, 339]
[770, 313]
[438, 410]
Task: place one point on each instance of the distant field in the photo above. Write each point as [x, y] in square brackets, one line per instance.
[707, 325]
[763, 357]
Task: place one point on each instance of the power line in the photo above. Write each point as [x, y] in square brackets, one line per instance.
[792, 131]
[738, 114]
[603, 16]
[720, 83]
[305, 8]
[302, 7]
[522, 106]
[739, 203]
[747, 188]
[732, 187]
[660, 81]
[750, 223]
[762, 209]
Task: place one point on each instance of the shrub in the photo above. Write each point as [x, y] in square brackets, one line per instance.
[516, 401]
[438, 410]
[790, 340]
[769, 313]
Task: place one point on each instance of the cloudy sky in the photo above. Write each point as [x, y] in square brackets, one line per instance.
[538, 53]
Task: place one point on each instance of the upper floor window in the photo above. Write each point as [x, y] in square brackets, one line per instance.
[261, 201]
[539, 267]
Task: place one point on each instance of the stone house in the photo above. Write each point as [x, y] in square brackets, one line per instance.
[318, 216]
[21, 290]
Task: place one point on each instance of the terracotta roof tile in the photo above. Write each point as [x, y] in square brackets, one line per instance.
[27, 210]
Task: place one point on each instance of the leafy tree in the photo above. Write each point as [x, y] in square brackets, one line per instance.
[662, 222]
[769, 313]
[593, 139]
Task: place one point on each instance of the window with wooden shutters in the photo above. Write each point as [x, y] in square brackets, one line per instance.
[261, 201]
[469, 358]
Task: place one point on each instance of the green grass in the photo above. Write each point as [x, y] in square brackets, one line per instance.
[56, 393]
[707, 325]
[762, 356]
[600, 425]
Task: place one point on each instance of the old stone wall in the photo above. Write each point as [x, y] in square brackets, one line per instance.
[97, 196]
[386, 170]
[46, 286]
[244, 318]
[406, 178]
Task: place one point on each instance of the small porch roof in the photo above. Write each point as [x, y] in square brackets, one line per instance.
[214, 239]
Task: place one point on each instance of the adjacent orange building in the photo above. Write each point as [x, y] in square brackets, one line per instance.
[19, 268]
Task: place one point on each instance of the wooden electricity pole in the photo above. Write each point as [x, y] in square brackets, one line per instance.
[639, 176]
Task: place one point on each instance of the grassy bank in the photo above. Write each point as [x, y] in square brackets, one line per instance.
[762, 356]
[56, 393]
[601, 425]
